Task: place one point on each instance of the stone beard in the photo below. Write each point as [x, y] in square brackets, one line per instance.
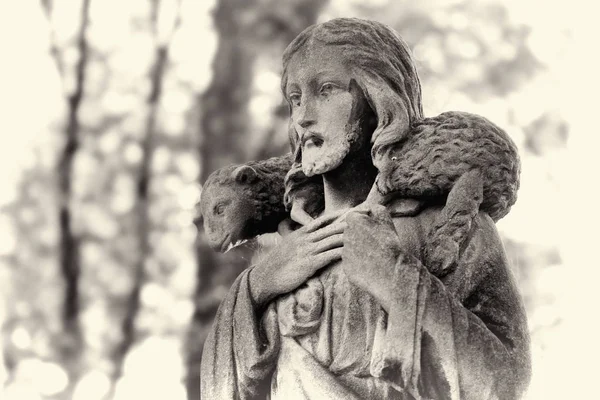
[326, 153]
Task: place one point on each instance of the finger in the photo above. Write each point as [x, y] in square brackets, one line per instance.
[371, 209]
[329, 243]
[299, 215]
[285, 227]
[363, 207]
[369, 212]
[332, 229]
[356, 217]
[323, 259]
[324, 220]
[374, 196]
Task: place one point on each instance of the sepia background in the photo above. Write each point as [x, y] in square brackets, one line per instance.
[114, 113]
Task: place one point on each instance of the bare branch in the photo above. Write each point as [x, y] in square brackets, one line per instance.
[47, 6]
[69, 243]
[154, 7]
[176, 23]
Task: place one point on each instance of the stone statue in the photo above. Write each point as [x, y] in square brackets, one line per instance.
[347, 306]
[457, 155]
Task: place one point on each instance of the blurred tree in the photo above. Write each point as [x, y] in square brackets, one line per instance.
[143, 182]
[546, 133]
[110, 272]
[246, 30]
[468, 46]
[34, 326]
[71, 343]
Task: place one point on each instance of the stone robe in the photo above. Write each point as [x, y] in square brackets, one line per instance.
[461, 337]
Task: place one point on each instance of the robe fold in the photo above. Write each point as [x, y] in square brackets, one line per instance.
[460, 337]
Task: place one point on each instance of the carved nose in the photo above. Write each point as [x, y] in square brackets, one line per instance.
[306, 115]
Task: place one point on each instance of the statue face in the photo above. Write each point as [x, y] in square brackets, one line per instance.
[321, 103]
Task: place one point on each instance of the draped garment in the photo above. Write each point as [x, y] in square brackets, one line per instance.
[461, 337]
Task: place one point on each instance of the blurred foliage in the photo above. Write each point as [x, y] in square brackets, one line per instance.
[219, 103]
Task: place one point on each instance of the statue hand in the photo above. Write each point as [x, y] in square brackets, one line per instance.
[371, 248]
[298, 257]
[298, 213]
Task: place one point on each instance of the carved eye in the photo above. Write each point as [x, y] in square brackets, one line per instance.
[294, 99]
[219, 209]
[326, 88]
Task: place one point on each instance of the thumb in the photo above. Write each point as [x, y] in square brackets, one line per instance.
[299, 215]
[285, 227]
[375, 211]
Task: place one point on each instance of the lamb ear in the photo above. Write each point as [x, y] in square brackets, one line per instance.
[244, 174]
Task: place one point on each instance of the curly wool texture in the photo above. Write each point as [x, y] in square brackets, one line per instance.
[439, 150]
[459, 155]
[265, 192]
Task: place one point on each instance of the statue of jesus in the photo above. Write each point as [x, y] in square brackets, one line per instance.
[344, 307]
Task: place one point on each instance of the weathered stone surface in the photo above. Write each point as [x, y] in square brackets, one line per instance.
[239, 202]
[459, 156]
[412, 300]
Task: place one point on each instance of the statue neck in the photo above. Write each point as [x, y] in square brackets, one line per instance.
[349, 184]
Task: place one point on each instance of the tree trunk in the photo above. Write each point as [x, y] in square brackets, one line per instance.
[71, 345]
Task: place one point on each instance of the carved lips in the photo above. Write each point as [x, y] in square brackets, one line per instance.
[310, 139]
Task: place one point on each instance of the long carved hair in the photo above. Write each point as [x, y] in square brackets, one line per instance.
[382, 65]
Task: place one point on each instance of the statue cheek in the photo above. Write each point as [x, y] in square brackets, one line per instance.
[238, 212]
[209, 226]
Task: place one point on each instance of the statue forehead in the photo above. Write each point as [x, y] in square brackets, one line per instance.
[318, 59]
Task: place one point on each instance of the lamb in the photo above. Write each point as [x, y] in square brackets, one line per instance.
[461, 156]
[240, 202]
[458, 157]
